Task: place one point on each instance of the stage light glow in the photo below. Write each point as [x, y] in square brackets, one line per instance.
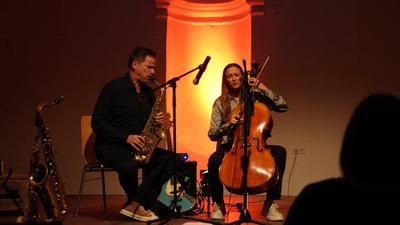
[221, 30]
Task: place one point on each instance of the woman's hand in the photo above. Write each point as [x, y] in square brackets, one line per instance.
[258, 84]
[234, 120]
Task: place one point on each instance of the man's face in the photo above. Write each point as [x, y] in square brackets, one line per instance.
[143, 71]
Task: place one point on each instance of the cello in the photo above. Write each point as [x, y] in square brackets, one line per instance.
[259, 165]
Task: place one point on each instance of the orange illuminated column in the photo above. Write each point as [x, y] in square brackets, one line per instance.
[195, 29]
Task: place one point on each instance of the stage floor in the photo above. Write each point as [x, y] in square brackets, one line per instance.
[91, 211]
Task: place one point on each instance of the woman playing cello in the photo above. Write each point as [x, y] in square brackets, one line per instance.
[222, 122]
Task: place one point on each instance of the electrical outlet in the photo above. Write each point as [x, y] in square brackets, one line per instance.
[300, 151]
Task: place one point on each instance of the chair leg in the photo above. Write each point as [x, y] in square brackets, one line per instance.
[80, 190]
[104, 193]
[208, 198]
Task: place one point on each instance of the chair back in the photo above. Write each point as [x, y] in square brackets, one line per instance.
[88, 139]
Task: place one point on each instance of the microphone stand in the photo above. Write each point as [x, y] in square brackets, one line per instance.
[245, 216]
[176, 213]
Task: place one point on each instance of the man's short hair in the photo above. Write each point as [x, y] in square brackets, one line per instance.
[139, 54]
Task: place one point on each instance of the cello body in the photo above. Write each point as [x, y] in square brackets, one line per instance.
[262, 172]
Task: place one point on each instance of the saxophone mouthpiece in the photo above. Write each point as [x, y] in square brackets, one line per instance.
[153, 79]
[58, 99]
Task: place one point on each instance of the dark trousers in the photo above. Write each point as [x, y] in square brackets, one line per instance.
[156, 172]
[217, 190]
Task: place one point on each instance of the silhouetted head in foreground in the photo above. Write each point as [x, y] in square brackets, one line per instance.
[372, 142]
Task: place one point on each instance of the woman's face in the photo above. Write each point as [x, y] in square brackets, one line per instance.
[233, 77]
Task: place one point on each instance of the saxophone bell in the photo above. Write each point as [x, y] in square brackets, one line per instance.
[38, 175]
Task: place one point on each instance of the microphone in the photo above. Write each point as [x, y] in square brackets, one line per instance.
[202, 68]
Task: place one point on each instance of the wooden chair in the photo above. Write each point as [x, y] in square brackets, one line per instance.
[91, 164]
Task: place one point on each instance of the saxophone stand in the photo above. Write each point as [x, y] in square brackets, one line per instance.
[13, 195]
[245, 216]
[176, 212]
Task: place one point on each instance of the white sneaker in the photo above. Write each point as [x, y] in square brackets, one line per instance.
[217, 214]
[274, 214]
[139, 214]
[155, 217]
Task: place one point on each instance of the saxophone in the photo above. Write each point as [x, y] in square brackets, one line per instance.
[44, 183]
[152, 132]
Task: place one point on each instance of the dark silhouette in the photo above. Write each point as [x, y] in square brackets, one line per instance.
[369, 186]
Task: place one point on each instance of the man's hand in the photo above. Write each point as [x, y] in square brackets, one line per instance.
[136, 141]
[163, 120]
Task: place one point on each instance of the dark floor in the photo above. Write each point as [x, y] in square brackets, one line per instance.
[91, 211]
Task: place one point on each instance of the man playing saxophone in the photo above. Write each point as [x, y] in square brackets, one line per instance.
[122, 112]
